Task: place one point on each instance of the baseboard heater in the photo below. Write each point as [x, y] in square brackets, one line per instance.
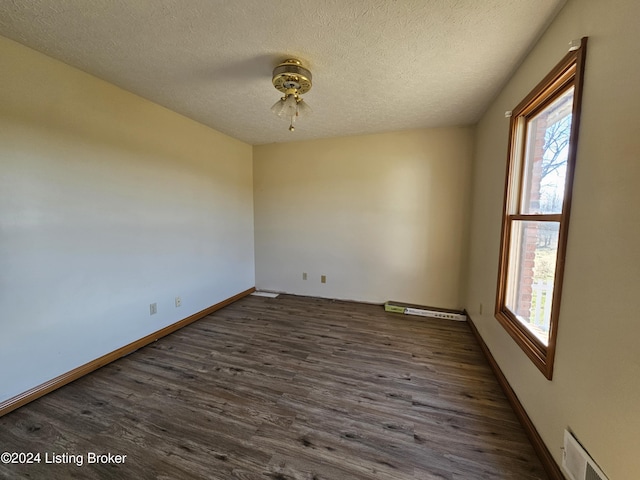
[421, 311]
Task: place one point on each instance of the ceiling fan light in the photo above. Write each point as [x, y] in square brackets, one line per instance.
[290, 107]
[304, 110]
[278, 108]
[292, 79]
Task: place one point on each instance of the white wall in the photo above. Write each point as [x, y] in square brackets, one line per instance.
[107, 204]
[382, 216]
[596, 385]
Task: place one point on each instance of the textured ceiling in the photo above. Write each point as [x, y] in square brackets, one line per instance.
[378, 65]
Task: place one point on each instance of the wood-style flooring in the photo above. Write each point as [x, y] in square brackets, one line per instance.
[287, 388]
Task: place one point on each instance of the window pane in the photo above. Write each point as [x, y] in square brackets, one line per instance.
[547, 149]
[532, 266]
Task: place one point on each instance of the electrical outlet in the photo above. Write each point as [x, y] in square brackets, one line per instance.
[153, 309]
[178, 302]
[304, 275]
[323, 279]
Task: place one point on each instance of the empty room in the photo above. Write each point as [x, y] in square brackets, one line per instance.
[319, 239]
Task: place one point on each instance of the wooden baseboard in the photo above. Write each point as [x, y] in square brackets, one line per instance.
[548, 462]
[61, 380]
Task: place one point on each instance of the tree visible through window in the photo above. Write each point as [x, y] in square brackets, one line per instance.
[544, 130]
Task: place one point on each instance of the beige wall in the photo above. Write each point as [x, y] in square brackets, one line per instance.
[596, 385]
[382, 216]
[107, 204]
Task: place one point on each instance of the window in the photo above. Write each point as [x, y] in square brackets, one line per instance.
[541, 161]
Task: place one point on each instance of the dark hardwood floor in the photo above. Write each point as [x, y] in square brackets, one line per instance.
[290, 388]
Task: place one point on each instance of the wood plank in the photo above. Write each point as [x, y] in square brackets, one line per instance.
[68, 377]
[287, 388]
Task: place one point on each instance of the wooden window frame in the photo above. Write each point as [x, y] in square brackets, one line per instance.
[566, 74]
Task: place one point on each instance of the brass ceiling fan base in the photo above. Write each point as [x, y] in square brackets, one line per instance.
[291, 75]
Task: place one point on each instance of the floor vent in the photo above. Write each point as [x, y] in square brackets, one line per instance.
[577, 462]
[265, 294]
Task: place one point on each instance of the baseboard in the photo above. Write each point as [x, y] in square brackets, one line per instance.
[547, 460]
[61, 380]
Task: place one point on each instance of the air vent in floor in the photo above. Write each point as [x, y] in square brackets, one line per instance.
[265, 294]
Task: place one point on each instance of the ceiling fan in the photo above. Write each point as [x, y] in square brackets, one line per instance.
[293, 80]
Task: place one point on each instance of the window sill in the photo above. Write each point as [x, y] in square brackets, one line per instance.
[532, 346]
